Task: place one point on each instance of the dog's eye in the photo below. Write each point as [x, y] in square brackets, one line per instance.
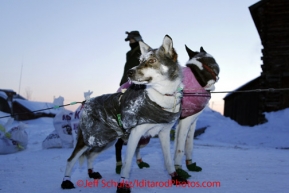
[152, 61]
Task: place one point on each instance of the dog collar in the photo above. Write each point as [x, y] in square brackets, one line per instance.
[179, 90]
[216, 78]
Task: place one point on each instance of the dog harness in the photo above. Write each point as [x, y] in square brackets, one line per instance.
[137, 108]
[195, 97]
[99, 118]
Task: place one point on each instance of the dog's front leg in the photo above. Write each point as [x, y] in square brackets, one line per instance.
[134, 137]
[184, 137]
[184, 143]
[189, 141]
[180, 139]
[191, 166]
[164, 136]
[181, 135]
[133, 140]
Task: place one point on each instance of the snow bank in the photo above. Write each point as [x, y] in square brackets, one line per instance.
[222, 129]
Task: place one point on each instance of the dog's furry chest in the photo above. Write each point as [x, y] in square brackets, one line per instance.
[99, 119]
[195, 97]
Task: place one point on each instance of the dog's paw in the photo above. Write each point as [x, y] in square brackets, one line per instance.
[123, 188]
[178, 180]
[193, 167]
[67, 185]
[143, 164]
[183, 173]
[95, 175]
[118, 169]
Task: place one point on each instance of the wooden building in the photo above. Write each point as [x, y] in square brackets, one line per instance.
[271, 18]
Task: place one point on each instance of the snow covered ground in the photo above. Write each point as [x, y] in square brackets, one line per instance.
[238, 158]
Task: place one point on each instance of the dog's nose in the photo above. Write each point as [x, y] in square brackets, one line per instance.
[130, 72]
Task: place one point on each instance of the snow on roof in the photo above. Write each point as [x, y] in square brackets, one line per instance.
[10, 91]
[7, 90]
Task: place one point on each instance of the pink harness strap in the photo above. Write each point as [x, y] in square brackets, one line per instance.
[195, 97]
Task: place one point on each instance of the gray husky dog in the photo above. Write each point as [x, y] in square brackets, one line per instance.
[199, 77]
[106, 118]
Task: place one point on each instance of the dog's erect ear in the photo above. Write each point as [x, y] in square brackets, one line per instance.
[190, 52]
[168, 45]
[202, 50]
[144, 48]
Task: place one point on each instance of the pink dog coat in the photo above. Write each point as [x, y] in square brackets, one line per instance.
[195, 97]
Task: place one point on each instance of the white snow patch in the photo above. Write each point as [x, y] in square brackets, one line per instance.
[241, 158]
[91, 140]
